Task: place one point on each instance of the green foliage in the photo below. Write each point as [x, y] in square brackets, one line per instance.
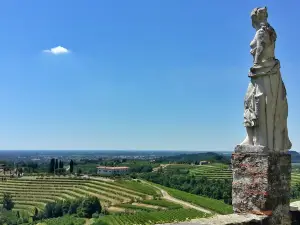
[71, 166]
[100, 222]
[141, 168]
[217, 189]
[65, 220]
[295, 191]
[60, 164]
[88, 207]
[7, 202]
[56, 165]
[215, 171]
[137, 207]
[191, 158]
[10, 217]
[52, 165]
[83, 207]
[137, 186]
[162, 203]
[155, 217]
[79, 171]
[208, 203]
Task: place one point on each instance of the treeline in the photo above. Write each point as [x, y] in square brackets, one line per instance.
[81, 207]
[7, 216]
[192, 158]
[86, 207]
[141, 168]
[217, 189]
[57, 166]
[295, 191]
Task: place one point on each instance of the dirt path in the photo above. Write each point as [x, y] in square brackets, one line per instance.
[88, 221]
[178, 201]
[160, 166]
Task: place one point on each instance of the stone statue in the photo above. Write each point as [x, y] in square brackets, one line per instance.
[265, 106]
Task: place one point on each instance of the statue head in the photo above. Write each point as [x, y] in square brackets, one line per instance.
[258, 16]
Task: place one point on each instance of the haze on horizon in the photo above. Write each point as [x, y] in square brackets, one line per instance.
[135, 75]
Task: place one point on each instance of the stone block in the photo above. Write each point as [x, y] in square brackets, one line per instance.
[261, 181]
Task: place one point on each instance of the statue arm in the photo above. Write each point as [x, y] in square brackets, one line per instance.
[259, 45]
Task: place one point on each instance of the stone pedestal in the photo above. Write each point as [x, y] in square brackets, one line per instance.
[261, 183]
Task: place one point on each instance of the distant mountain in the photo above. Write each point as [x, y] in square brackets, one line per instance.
[295, 156]
[212, 157]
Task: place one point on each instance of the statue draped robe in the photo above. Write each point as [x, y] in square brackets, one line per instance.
[266, 107]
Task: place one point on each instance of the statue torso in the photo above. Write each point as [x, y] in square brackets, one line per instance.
[267, 60]
[265, 33]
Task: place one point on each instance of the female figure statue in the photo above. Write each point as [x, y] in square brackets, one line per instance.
[266, 108]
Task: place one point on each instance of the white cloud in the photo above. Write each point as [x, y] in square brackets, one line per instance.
[57, 50]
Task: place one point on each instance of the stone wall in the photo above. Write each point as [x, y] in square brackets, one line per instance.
[232, 219]
[261, 183]
[239, 219]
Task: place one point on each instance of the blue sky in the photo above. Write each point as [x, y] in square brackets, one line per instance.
[159, 74]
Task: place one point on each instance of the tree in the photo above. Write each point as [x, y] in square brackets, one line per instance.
[58, 210]
[71, 166]
[52, 165]
[74, 205]
[8, 203]
[61, 164]
[88, 207]
[66, 206]
[8, 217]
[35, 214]
[56, 164]
[49, 208]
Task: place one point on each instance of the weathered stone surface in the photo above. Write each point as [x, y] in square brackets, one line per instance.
[251, 149]
[261, 184]
[265, 104]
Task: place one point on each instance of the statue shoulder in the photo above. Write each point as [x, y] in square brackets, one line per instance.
[267, 32]
[261, 34]
[263, 29]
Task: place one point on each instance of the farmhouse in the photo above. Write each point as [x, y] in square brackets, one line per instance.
[106, 170]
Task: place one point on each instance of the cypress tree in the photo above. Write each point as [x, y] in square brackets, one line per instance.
[52, 165]
[71, 166]
[56, 164]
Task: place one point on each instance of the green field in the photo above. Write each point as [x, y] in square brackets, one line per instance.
[29, 194]
[204, 202]
[214, 171]
[142, 218]
[66, 220]
[295, 177]
[218, 171]
[140, 202]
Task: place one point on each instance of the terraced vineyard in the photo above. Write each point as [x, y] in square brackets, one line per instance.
[30, 193]
[221, 171]
[295, 178]
[152, 217]
[137, 202]
[214, 171]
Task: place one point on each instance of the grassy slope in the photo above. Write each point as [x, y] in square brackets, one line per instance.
[154, 217]
[208, 203]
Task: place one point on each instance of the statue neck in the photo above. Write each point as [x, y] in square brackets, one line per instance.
[258, 25]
